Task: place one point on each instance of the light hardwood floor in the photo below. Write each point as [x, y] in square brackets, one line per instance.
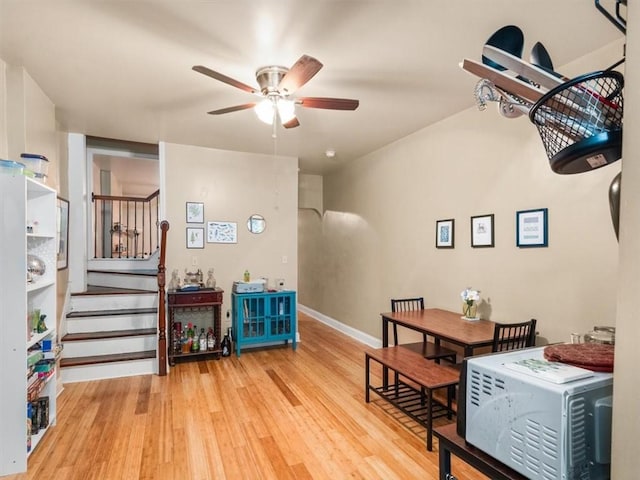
[270, 414]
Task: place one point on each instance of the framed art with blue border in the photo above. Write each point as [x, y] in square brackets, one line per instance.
[445, 233]
[532, 228]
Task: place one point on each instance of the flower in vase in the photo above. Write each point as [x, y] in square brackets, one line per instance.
[469, 298]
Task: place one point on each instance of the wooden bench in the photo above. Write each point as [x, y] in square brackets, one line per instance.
[415, 396]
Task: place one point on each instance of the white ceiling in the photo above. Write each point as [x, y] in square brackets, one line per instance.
[122, 69]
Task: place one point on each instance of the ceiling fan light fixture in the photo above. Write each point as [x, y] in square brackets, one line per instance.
[265, 111]
[286, 110]
[276, 84]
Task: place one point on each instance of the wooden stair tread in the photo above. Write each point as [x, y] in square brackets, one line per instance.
[74, 337]
[114, 357]
[142, 273]
[109, 313]
[98, 290]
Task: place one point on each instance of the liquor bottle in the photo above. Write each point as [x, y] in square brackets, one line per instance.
[195, 342]
[177, 338]
[186, 346]
[226, 346]
[211, 339]
[230, 335]
[203, 341]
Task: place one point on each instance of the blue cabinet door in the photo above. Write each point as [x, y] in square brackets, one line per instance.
[264, 318]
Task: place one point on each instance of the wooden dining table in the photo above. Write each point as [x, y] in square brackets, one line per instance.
[442, 325]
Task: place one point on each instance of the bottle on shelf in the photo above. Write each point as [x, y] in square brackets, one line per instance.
[211, 339]
[195, 340]
[177, 337]
[247, 276]
[186, 346]
[203, 341]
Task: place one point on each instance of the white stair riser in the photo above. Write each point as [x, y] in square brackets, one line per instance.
[111, 323]
[86, 348]
[120, 264]
[87, 303]
[101, 371]
[115, 280]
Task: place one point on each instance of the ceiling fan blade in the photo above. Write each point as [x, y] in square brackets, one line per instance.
[293, 123]
[301, 72]
[328, 103]
[223, 78]
[236, 108]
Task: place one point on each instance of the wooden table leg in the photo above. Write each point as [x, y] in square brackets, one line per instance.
[429, 419]
[385, 343]
[366, 376]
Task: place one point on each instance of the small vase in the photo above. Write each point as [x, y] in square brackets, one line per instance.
[469, 310]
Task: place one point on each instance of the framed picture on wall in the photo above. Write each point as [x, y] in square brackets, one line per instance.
[445, 233]
[195, 237]
[222, 232]
[482, 231]
[531, 228]
[195, 212]
[62, 229]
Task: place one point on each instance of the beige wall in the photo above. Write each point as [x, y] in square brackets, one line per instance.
[4, 147]
[378, 228]
[233, 186]
[32, 128]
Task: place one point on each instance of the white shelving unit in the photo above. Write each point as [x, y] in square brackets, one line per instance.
[24, 202]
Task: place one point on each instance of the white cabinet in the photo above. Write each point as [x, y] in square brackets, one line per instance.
[28, 220]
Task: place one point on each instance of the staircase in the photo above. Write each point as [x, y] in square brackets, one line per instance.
[112, 327]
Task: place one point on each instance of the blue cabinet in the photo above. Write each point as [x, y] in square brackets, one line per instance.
[264, 318]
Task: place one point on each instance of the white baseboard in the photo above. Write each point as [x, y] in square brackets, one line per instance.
[358, 335]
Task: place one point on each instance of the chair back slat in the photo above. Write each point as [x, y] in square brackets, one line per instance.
[513, 336]
[407, 304]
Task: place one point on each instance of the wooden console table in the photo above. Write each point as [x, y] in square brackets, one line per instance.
[200, 307]
[449, 442]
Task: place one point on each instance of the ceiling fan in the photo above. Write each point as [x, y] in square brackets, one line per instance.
[276, 85]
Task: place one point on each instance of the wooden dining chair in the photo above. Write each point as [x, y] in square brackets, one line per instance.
[406, 305]
[428, 349]
[513, 336]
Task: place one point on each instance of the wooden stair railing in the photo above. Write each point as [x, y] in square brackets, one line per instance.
[125, 227]
[162, 334]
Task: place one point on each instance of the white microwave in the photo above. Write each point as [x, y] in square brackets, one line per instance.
[541, 429]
